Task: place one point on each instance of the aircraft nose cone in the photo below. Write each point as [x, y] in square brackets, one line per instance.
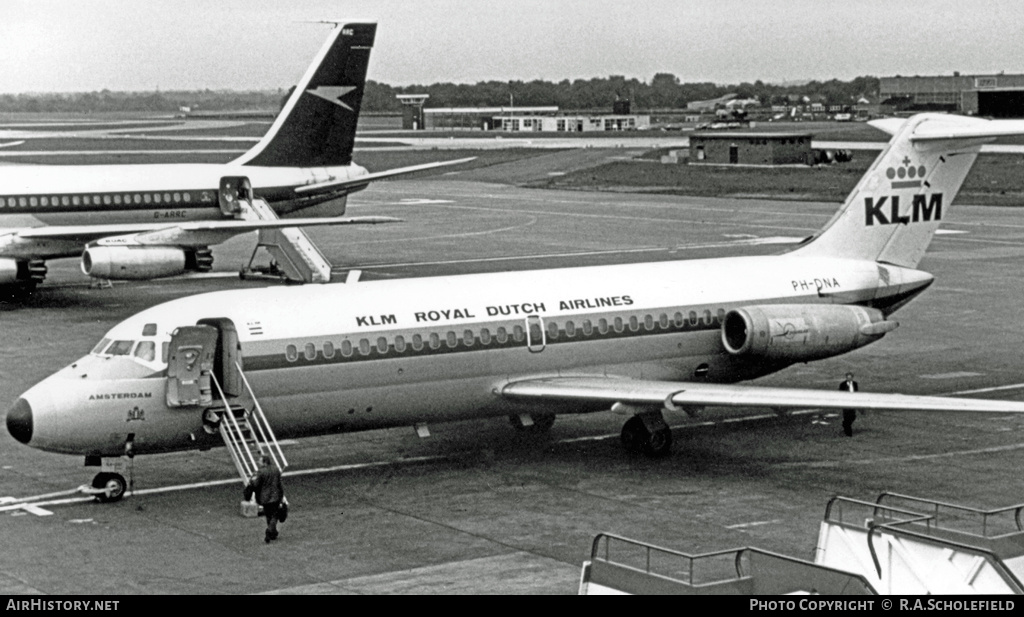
[19, 421]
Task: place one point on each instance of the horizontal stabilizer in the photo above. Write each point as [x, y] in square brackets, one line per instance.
[669, 393]
[334, 185]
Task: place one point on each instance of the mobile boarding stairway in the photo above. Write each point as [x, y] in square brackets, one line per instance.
[204, 372]
[910, 545]
[620, 566]
[895, 545]
[294, 256]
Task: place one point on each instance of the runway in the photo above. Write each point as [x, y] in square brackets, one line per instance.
[480, 508]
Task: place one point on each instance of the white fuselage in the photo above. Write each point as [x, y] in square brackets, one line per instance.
[144, 194]
[332, 358]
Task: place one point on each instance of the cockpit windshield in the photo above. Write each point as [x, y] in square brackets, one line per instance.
[140, 350]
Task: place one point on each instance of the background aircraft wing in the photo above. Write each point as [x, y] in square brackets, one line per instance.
[334, 185]
[671, 394]
[191, 233]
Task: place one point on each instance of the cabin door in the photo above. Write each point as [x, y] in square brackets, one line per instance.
[227, 358]
[233, 191]
[536, 338]
[190, 361]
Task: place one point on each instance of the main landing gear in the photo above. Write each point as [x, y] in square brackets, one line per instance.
[647, 433]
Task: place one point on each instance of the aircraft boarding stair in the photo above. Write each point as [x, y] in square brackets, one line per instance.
[908, 545]
[294, 255]
[620, 566]
[297, 258]
[246, 433]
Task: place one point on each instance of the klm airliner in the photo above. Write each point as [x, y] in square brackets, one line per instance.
[637, 338]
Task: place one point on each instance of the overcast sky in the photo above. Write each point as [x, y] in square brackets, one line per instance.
[89, 45]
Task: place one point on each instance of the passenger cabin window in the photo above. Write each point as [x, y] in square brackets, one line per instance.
[485, 336]
[570, 328]
[382, 344]
[364, 346]
[309, 351]
[618, 324]
[634, 324]
[648, 322]
[417, 342]
[588, 328]
[602, 325]
[468, 339]
[291, 353]
[552, 331]
[328, 349]
[452, 339]
[663, 321]
[502, 335]
[518, 334]
[346, 348]
[400, 343]
[435, 340]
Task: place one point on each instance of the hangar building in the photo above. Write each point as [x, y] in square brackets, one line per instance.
[996, 96]
[751, 148]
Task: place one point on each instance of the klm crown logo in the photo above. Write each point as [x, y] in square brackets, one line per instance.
[906, 171]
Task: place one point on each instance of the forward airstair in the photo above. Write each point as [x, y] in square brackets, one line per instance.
[246, 433]
[909, 545]
[620, 566]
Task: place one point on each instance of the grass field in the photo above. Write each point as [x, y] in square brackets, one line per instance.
[995, 180]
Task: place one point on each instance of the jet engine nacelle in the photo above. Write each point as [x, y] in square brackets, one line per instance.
[133, 263]
[8, 271]
[801, 332]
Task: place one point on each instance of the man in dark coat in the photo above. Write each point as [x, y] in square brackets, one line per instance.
[269, 491]
[849, 415]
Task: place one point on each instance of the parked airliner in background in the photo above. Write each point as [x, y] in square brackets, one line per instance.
[636, 338]
[148, 221]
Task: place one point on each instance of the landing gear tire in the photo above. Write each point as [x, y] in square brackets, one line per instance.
[636, 438]
[113, 484]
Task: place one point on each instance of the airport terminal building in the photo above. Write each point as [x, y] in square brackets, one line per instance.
[995, 96]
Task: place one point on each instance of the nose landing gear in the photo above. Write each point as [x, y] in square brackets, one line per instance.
[113, 486]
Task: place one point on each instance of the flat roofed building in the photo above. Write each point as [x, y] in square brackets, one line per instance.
[518, 119]
[485, 118]
[751, 148]
[997, 96]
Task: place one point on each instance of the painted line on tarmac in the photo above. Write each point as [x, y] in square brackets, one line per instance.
[1015, 386]
[356, 466]
[903, 459]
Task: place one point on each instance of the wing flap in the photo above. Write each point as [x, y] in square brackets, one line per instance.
[645, 392]
[89, 233]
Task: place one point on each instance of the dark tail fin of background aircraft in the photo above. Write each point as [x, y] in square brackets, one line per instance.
[317, 126]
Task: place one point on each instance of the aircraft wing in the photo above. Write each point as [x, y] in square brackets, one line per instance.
[670, 394]
[334, 185]
[185, 233]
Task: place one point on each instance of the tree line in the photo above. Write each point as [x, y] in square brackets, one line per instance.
[664, 91]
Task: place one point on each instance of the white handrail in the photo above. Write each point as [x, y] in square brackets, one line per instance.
[261, 418]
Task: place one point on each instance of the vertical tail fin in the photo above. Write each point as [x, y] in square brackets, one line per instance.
[317, 126]
[896, 207]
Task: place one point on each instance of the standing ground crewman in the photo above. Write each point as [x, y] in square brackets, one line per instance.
[269, 491]
[849, 415]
